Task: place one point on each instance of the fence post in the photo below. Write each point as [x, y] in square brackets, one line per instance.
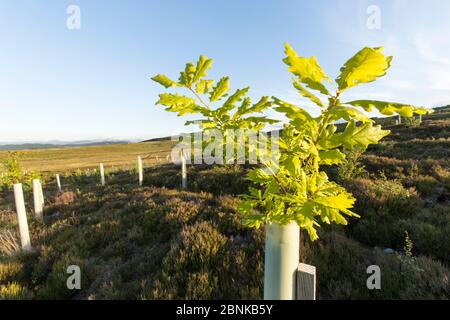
[183, 171]
[281, 261]
[58, 182]
[141, 172]
[102, 174]
[38, 198]
[22, 217]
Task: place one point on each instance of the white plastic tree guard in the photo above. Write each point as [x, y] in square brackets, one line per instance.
[281, 261]
[102, 174]
[58, 182]
[141, 172]
[38, 199]
[183, 171]
[22, 217]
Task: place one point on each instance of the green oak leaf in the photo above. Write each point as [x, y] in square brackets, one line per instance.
[389, 108]
[203, 65]
[187, 76]
[365, 66]
[359, 136]
[307, 70]
[348, 113]
[180, 104]
[220, 90]
[291, 111]
[307, 94]
[164, 81]
[329, 157]
[204, 86]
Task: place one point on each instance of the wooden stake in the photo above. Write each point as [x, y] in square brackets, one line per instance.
[22, 217]
[306, 282]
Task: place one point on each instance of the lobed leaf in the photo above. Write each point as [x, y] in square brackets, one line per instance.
[180, 104]
[307, 70]
[220, 90]
[359, 136]
[348, 114]
[307, 94]
[204, 86]
[389, 108]
[203, 65]
[164, 81]
[365, 66]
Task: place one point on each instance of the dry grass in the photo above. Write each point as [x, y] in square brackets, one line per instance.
[9, 244]
[69, 159]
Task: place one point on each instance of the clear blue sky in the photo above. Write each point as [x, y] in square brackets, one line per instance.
[95, 82]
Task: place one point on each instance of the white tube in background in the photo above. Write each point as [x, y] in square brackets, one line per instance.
[183, 171]
[102, 174]
[58, 182]
[22, 217]
[38, 199]
[141, 171]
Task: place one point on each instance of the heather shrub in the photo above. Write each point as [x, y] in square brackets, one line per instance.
[65, 198]
[205, 264]
[352, 167]
[342, 265]
[229, 179]
[425, 185]
[384, 198]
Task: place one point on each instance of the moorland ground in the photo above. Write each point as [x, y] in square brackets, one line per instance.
[161, 242]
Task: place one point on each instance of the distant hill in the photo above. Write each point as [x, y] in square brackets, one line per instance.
[56, 144]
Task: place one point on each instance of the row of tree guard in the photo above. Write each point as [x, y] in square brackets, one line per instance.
[38, 198]
[284, 277]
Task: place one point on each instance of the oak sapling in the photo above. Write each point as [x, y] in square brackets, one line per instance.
[297, 189]
[294, 188]
[219, 111]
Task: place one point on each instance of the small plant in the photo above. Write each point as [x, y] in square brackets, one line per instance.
[352, 167]
[412, 122]
[409, 268]
[14, 172]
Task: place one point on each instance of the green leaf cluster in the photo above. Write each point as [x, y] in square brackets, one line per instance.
[219, 109]
[295, 188]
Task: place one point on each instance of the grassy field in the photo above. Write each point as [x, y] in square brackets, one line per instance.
[69, 159]
[160, 242]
